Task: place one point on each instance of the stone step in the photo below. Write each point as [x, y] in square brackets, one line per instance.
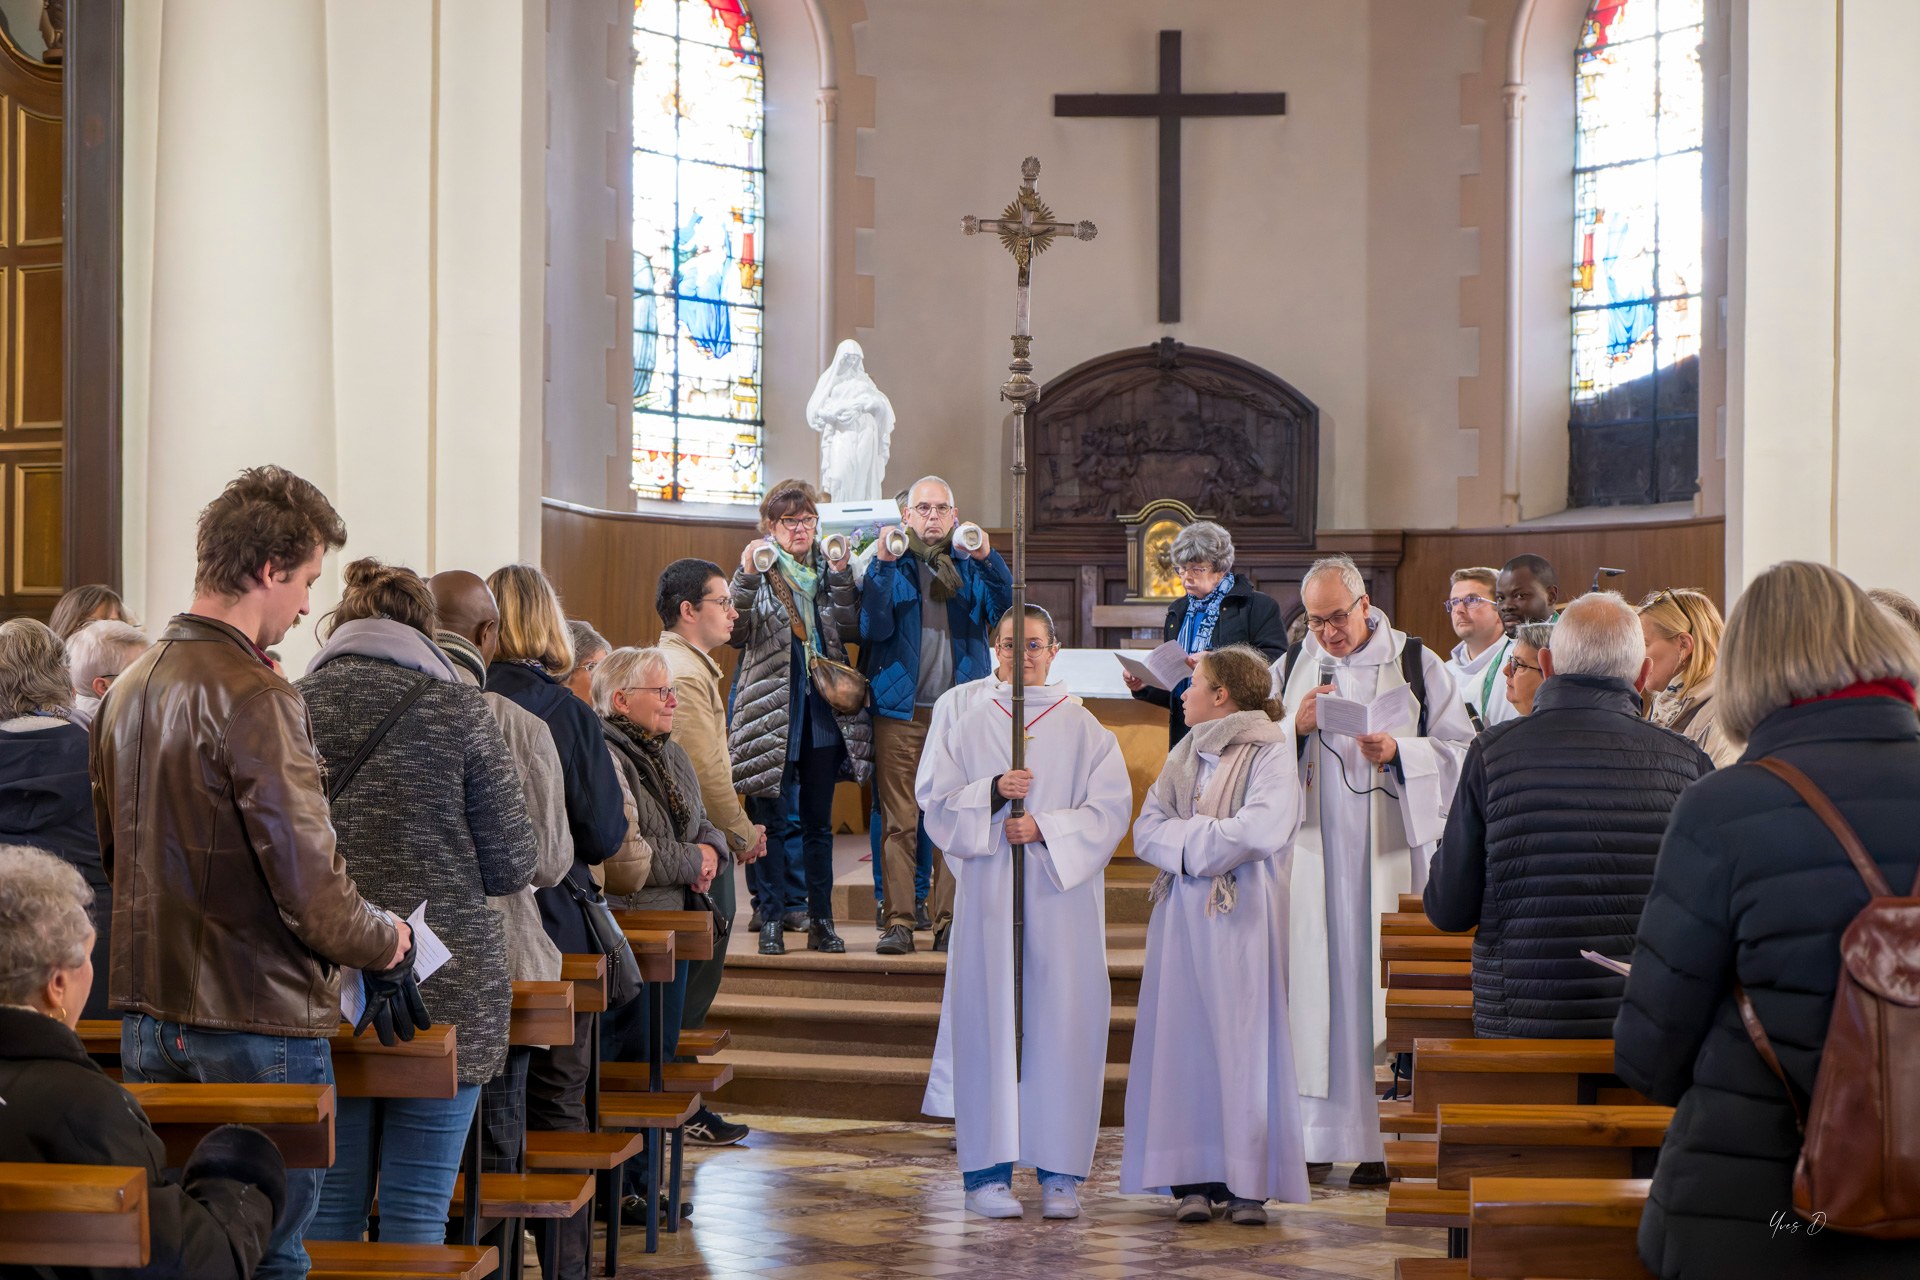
[1127, 881]
[845, 1086]
[875, 1028]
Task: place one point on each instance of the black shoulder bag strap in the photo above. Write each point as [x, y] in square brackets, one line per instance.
[1414, 672]
[338, 782]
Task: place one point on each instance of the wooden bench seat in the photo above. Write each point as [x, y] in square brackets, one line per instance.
[1403, 923]
[1412, 903]
[680, 1077]
[298, 1117]
[1516, 1071]
[423, 1067]
[1556, 1228]
[527, 1195]
[1416, 1159]
[378, 1260]
[1400, 1117]
[73, 1215]
[1430, 975]
[549, 1151]
[647, 1110]
[692, 930]
[1494, 1140]
[1421, 1204]
[1430, 1269]
[1456, 947]
[542, 1014]
[1426, 1014]
[655, 949]
[588, 974]
[705, 1042]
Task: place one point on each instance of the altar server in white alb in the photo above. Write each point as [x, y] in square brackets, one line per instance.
[1213, 1106]
[1374, 805]
[1078, 801]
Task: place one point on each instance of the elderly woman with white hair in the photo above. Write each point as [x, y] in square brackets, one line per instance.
[60, 1108]
[1727, 1011]
[46, 798]
[96, 655]
[1220, 608]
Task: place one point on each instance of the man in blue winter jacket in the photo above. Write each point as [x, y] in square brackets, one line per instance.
[924, 622]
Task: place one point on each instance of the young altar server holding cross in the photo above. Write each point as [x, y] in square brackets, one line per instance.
[1078, 801]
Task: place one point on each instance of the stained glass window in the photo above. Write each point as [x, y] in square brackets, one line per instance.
[699, 180]
[1640, 112]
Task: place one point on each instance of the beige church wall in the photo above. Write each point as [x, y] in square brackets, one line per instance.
[1821, 450]
[334, 264]
[1340, 274]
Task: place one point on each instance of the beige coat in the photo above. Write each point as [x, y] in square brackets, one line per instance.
[1696, 716]
[700, 727]
[626, 871]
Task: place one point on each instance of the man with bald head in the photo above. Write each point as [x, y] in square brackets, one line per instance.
[924, 620]
[470, 633]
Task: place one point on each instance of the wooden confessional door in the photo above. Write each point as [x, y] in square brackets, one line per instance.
[33, 449]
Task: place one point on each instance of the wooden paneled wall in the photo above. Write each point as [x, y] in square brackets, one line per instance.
[607, 563]
[1682, 553]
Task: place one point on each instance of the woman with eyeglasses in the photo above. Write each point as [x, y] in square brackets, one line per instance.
[1683, 643]
[1077, 801]
[1220, 608]
[783, 730]
[1524, 670]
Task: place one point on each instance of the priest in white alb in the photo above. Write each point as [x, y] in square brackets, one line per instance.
[1213, 1108]
[1078, 801]
[1374, 805]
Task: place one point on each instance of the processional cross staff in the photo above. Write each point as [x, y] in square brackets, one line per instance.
[1026, 228]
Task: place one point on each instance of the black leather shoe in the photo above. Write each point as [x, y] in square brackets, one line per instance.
[880, 916]
[633, 1211]
[821, 937]
[1371, 1174]
[922, 922]
[1318, 1170]
[940, 938]
[794, 922]
[772, 943]
[896, 940]
[758, 922]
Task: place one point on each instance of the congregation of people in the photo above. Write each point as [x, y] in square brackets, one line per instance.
[199, 847]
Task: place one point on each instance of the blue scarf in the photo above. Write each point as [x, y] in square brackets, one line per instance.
[1196, 630]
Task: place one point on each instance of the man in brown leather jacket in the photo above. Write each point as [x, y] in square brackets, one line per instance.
[232, 912]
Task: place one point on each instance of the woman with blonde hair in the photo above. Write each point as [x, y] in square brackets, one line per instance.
[1213, 1103]
[1682, 627]
[534, 657]
[1751, 894]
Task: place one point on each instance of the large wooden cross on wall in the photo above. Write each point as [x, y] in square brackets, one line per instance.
[1170, 106]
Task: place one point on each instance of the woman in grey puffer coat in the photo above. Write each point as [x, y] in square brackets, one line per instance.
[436, 815]
[781, 729]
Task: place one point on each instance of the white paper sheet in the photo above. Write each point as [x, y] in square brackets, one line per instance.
[1163, 668]
[1620, 967]
[1353, 718]
[429, 953]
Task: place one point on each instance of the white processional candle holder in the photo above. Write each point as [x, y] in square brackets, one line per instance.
[764, 557]
[969, 537]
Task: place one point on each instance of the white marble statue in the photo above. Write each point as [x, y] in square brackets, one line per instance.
[855, 422]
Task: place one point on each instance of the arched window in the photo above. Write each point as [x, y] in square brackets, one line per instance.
[1640, 119]
[699, 180]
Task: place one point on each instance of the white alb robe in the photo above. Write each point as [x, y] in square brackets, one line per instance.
[1211, 1093]
[1482, 681]
[1355, 854]
[1081, 799]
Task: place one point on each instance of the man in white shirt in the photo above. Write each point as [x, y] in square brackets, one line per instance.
[1478, 660]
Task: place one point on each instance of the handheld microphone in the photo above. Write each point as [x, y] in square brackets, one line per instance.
[1326, 670]
[1474, 715]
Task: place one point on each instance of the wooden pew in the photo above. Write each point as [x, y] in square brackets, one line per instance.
[705, 1042]
[1516, 1071]
[1456, 947]
[656, 950]
[1412, 904]
[1420, 1013]
[1484, 1141]
[359, 1260]
[542, 1014]
[1556, 1229]
[423, 1067]
[1430, 975]
[588, 974]
[680, 1077]
[1405, 923]
[73, 1215]
[297, 1117]
[692, 930]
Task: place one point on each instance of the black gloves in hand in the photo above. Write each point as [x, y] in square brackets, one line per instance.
[394, 1006]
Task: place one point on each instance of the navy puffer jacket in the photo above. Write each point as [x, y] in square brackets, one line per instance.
[1550, 848]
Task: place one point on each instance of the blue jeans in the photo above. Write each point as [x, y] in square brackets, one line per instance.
[1004, 1173]
[816, 771]
[421, 1140]
[794, 890]
[626, 1037]
[922, 860]
[156, 1052]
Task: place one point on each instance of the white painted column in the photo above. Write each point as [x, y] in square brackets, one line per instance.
[241, 343]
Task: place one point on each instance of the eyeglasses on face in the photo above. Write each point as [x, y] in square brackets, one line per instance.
[1514, 666]
[592, 664]
[928, 510]
[799, 524]
[1335, 620]
[1454, 603]
[724, 601]
[1033, 646]
[663, 692]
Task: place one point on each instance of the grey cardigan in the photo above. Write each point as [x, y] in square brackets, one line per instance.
[435, 815]
[676, 852]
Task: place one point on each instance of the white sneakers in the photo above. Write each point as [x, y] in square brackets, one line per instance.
[1059, 1198]
[995, 1200]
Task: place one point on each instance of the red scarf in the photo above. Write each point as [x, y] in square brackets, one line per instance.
[1896, 688]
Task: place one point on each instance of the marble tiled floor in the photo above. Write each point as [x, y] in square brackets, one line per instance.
[848, 1198]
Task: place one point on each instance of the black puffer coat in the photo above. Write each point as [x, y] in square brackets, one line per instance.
[1550, 850]
[46, 801]
[1751, 888]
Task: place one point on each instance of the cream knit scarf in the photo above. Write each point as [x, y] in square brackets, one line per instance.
[1236, 739]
